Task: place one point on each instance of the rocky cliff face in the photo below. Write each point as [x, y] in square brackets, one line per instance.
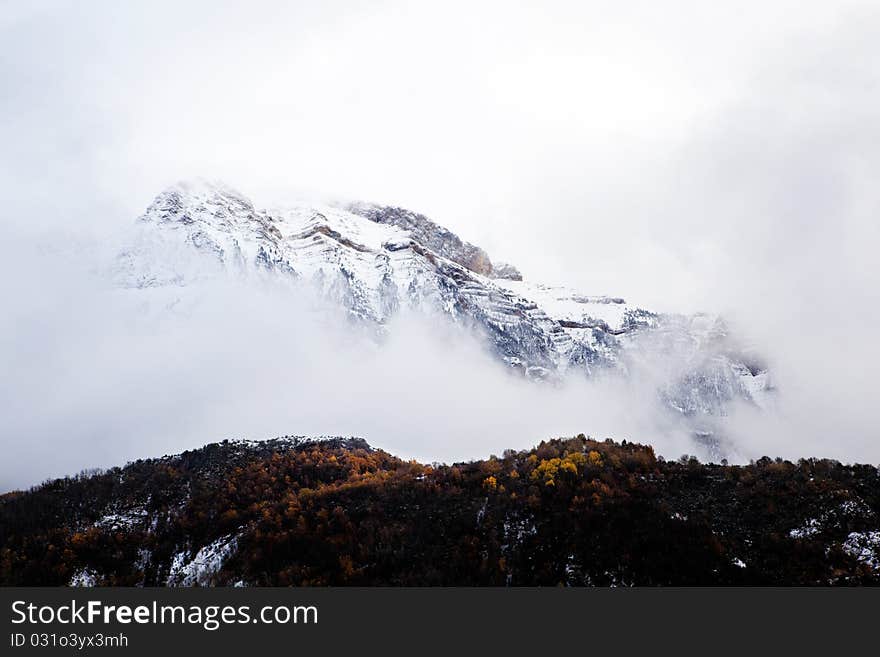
[373, 261]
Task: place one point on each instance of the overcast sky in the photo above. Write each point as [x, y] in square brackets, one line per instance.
[685, 155]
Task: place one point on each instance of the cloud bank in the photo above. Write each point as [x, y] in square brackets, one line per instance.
[103, 376]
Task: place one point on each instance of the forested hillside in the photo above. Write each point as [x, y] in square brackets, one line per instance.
[337, 512]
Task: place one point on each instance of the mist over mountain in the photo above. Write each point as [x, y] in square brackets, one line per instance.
[372, 262]
[209, 314]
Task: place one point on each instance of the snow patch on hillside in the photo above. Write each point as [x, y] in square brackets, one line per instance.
[199, 570]
[864, 546]
[84, 578]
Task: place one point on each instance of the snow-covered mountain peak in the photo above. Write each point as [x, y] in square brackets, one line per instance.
[374, 260]
[173, 203]
[438, 239]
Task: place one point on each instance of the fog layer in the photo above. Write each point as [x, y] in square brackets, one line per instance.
[104, 375]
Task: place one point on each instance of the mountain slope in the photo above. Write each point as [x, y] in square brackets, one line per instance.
[373, 261]
[336, 512]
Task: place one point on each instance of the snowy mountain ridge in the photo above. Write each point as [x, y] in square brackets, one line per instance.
[374, 260]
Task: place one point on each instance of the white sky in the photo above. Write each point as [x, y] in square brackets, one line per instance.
[685, 155]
